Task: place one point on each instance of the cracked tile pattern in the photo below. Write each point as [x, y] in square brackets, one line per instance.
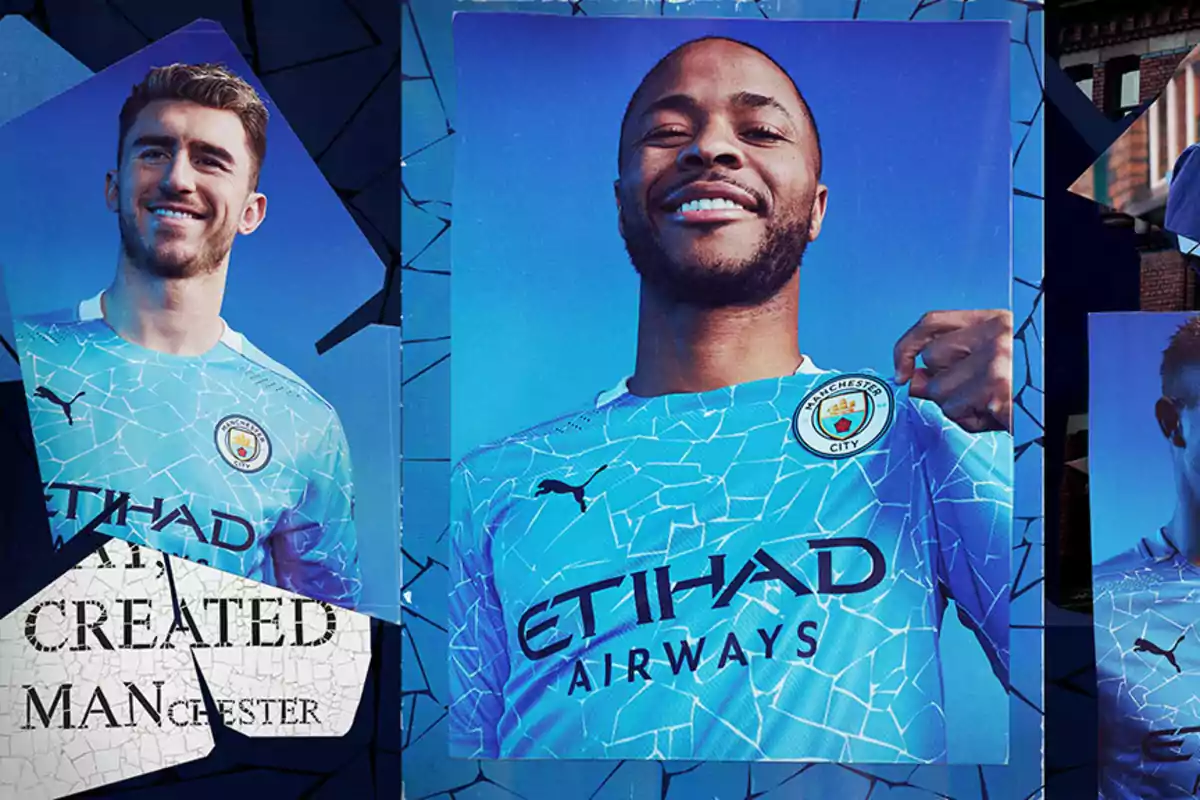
[131, 639]
[830, 676]
[278, 663]
[83, 702]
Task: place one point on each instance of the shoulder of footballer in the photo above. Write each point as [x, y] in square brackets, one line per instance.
[48, 328]
[281, 378]
[513, 454]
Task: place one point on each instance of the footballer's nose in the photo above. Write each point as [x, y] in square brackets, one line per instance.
[179, 177]
[715, 145]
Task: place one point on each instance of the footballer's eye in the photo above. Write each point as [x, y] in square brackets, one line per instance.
[154, 154]
[666, 134]
[763, 133]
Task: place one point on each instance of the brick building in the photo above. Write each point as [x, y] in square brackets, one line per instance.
[1124, 55]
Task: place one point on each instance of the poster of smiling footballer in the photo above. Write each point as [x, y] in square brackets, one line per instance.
[167, 257]
[731, 412]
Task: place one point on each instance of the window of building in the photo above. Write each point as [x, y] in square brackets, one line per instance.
[1174, 122]
[1083, 77]
[1122, 83]
[1130, 91]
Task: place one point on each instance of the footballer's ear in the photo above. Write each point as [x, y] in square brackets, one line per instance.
[617, 197]
[253, 214]
[111, 190]
[1169, 421]
[817, 213]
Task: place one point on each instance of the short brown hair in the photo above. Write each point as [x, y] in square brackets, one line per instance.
[1182, 352]
[210, 85]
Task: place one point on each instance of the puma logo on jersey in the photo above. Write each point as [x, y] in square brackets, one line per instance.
[65, 405]
[553, 486]
[1144, 646]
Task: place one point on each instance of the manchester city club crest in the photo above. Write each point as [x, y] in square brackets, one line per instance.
[844, 416]
[243, 444]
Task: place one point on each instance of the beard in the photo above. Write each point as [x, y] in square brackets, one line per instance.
[168, 265]
[750, 281]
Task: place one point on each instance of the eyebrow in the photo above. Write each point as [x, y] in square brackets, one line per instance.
[752, 100]
[168, 142]
[686, 103]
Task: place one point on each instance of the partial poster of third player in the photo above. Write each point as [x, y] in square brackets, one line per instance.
[731, 399]
[1144, 471]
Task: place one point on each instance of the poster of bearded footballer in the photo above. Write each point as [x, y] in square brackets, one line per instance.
[1144, 475]
[697, 511]
[167, 317]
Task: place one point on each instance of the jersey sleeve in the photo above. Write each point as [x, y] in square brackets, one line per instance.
[478, 654]
[315, 545]
[969, 478]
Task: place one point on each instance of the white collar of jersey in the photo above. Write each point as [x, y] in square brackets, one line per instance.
[91, 309]
[807, 367]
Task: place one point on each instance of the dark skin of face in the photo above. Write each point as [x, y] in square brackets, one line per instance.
[720, 121]
[720, 288]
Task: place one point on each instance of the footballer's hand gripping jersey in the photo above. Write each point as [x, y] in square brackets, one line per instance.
[226, 459]
[757, 572]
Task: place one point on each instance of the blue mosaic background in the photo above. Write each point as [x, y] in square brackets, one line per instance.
[336, 71]
[427, 142]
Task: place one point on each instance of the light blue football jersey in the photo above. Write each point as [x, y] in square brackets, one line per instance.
[754, 573]
[1147, 630]
[226, 459]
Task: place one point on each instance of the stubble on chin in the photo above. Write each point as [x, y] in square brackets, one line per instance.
[750, 281]
[143, 258]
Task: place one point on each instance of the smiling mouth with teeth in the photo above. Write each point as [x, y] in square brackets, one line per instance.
[711, 204]
[173, 214]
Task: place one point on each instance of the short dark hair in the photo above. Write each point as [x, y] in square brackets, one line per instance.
[1183, 351]
[662, 62]
[210, 85]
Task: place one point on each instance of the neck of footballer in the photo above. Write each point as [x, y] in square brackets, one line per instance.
[179, 317]
[1184, 528]
[685, 349]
